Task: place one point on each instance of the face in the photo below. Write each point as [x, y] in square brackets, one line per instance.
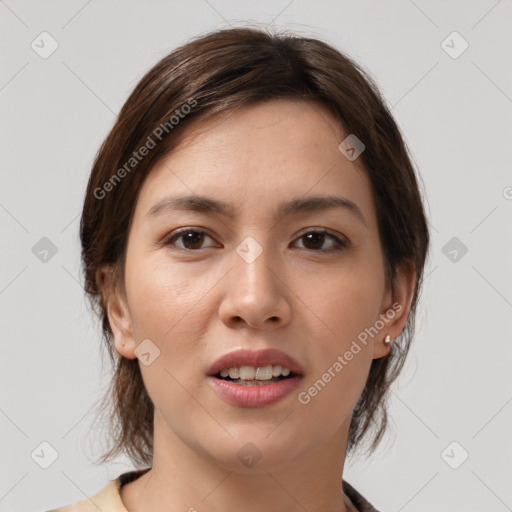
[306, 281]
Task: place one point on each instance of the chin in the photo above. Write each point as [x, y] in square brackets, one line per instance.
[248, 453]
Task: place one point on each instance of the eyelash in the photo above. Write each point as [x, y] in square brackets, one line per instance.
[340, 245]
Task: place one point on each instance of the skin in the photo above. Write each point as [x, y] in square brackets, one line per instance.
[301, 296]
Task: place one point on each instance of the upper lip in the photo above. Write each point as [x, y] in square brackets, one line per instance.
[246, 357]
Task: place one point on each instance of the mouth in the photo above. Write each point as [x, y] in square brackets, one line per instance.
[248, 378]
[260, 365]
[256, 376]
[254, 392]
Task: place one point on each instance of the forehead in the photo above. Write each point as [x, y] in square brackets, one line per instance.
[260, 155]
[300, 125]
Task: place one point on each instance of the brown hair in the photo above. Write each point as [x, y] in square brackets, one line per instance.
[214, 74]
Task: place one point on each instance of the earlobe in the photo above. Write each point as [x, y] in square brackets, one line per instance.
[120, 323]
[383, 349]
[396, 310]
[382, 344]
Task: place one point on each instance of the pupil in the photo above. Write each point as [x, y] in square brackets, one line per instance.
[193, 238]
[314, 238]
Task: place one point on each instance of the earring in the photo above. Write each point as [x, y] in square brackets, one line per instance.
[123, 343]
[387, 339]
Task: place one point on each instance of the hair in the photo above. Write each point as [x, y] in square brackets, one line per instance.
[214, 74]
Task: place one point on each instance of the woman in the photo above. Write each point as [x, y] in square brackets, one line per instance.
[254, 239]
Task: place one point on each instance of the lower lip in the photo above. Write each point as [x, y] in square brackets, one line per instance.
[254, 396]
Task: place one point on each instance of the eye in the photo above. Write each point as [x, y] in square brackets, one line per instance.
[192, 239]
[317, 239]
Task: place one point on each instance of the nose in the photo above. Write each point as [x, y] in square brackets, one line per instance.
[254, 294]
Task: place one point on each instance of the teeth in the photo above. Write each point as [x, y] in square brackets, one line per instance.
[276, 370]
[264, 372]
[247, 372]
[253, 373]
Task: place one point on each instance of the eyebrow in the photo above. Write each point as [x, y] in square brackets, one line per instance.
[295, 206]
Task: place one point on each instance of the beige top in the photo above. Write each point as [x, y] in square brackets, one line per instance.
[106, 500]
[109, 499]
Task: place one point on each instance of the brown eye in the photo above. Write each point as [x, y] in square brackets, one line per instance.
[191, 239]
[314, 240]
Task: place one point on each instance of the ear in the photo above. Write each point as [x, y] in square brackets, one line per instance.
[395, 309]
[119, 316]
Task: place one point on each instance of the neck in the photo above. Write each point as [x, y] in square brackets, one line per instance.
[183, 478]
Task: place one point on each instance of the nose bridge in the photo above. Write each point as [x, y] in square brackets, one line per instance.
[253, 265]
[255, 292]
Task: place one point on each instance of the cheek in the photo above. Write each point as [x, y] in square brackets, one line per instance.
[348, 304]
[348, 300]
[159, 296]
[166, 309]
[169, 307]
[340, 372]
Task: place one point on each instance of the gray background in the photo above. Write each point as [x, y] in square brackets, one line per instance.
[455, 116]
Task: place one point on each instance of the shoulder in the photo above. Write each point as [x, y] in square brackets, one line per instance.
[107, 498]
